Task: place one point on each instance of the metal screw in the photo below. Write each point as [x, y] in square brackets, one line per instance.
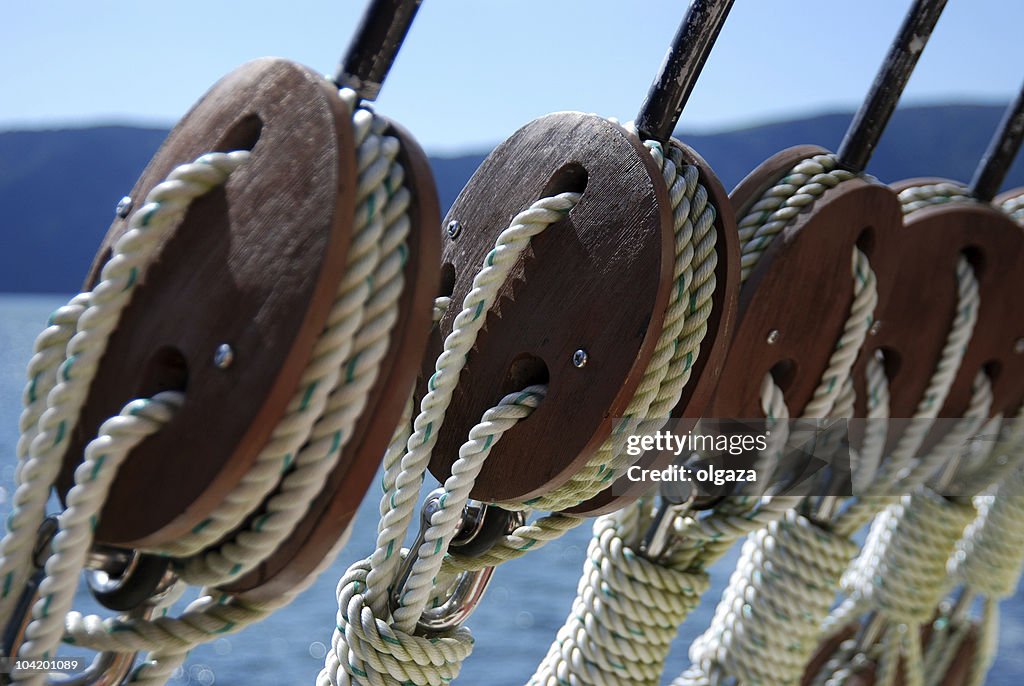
[876, 327]
[224, 356]
[454, 229]
[580, 358]
[773, 336]
[1018, 347]
[124, 206]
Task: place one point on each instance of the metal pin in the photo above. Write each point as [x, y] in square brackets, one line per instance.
[224, 356]
[773, 337]
[876, 327]
[657, 541]
[454, 229]
[1018, 347]
[124, 207]
[580, 358]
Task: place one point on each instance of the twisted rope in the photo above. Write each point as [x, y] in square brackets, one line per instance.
[1014, 207]
[404, 475]
[624, 618]
[929, 195]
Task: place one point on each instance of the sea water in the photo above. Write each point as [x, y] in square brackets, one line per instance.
[525, 605]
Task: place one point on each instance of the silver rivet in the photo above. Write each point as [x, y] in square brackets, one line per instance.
[224, 356]
[876, 327]
[454, 229]
[579, 358]
[773, 336]
[124, 206]
[1018, 347]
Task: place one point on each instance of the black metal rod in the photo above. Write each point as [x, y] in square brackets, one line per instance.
[682, 66]
[869, 122]
[1002, 149]
[375, 46]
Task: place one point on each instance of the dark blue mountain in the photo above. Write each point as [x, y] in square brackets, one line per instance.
[58, 188]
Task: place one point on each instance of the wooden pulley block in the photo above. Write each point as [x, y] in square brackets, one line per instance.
[332, 512]
[581, 312]
[794, 305]
[916, 320]
[253, 265]
[708, 366]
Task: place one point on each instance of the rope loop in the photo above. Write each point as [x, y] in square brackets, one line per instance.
[367, 649]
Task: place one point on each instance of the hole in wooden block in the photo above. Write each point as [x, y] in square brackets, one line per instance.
[784, 373]
[166, 370]
[866, 241]
[993, 368]
[243, 135]
[976, 257]
[891, 362]
[447, 280]
[525, 370]
[570, 178]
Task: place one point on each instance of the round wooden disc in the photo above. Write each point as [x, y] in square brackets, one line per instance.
[254, 265]
[333, 510]
[708, 366]
[596, 281]
[917, 317]
[802, 288]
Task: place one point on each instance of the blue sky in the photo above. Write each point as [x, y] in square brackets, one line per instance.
[473, 71]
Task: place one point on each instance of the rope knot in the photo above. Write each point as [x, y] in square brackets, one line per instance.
[625, 616]
[370, 650]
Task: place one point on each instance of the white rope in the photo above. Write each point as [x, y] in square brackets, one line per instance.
[1014, 207]
[624, 618]
[929, 195]
[364, 592]
[781, 204]
[988, 560]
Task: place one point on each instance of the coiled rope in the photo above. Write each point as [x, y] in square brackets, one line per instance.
[989, 560]
[289, 472]
[363, 593]
[1014, 207]
[929, 195]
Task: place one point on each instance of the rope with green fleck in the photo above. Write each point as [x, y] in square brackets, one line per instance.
[933, 194]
